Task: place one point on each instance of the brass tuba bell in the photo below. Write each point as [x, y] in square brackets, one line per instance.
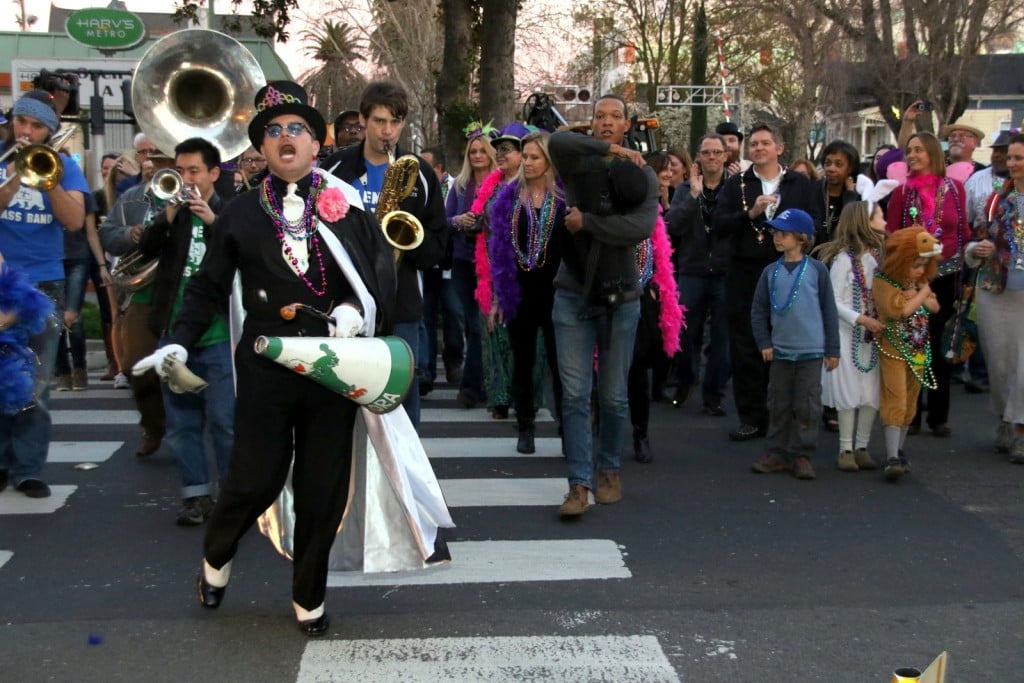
[402, 230]
[197, 83]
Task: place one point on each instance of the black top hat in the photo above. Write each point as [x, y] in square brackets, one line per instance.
[284, 97]
[729, 128]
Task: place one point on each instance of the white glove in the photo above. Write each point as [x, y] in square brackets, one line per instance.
[155, 360]
[347, 321]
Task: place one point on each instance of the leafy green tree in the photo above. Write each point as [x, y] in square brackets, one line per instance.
[334, 84]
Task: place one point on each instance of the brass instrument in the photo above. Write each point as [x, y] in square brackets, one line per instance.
[402, 230]
[134, 270]
[190, 83]
[197, 83]
[168, 186]
[39, 166]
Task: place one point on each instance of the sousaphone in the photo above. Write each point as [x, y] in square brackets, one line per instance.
[197, 83]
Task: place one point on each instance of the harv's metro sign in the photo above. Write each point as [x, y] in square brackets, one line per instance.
[105, 28]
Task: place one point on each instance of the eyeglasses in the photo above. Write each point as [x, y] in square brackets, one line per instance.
[712, 152]
[356, 128]
[505, 148]
[295, 129]
[254, 161]
[146, 152]
[959, 136]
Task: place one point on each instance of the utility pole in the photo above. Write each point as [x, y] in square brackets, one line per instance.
[23, 20]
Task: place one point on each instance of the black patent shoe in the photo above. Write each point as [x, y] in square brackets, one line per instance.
[314, 628]
[209, 596]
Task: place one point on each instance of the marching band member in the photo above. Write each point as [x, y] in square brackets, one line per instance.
[382, 111]
[179, 236]
[120, 234]
[298, 238]
[32, 224]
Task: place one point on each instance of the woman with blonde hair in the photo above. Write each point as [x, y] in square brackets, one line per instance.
[477, 163]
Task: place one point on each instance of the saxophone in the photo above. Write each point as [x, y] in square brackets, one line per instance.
[402, 230]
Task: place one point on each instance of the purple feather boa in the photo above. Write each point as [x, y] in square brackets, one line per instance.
[504, 267]
[17, 360]
[504, 279]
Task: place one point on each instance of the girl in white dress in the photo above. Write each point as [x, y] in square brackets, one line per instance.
[853, 387]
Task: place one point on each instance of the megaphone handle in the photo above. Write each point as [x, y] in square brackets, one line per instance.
[288, 312]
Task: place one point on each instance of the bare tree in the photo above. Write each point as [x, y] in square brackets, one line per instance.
[920, 48]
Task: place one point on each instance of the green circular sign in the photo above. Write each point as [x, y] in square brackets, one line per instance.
[105, 29]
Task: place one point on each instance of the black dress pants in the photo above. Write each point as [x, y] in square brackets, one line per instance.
[522, 333]
[278, 413]
[749, 371]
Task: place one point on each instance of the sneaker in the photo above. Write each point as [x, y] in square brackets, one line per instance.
[893, 469]
[110, 374]
[577, 501]
[609, 488]
[904, 463]
[33, 488]
[79, 380]
[195, 511]
[121, 381]
[63, 383]
[1004, 437]
[746, 432]
[847, 462]
[769, 463]
[802, 468]
[1017, 451]
[864, 460]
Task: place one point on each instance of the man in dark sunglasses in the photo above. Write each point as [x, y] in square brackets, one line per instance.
[301, 237]
[347, 129]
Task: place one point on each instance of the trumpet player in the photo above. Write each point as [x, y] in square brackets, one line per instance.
[382, 111]
[32, 224]
[178, 237]
[120, 234]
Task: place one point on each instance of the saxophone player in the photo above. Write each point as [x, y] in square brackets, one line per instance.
[382, 111]
[120, 234]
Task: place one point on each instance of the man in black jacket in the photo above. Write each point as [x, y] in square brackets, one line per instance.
[701, 263]
[382, 111]
[179, 236]
[747, 201]
[287, 246]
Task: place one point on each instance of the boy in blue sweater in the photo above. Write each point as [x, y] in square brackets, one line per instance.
[795, 325]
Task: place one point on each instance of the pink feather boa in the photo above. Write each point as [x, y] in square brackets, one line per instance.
[484, 286]
[671, 319]
[926, 186]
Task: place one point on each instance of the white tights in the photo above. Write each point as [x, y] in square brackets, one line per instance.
[865, 419]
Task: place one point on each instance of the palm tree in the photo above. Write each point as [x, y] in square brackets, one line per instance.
[335, 83]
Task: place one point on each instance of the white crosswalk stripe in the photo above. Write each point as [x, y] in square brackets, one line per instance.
[507, 482]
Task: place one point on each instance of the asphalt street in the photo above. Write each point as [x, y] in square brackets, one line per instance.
[704, 572]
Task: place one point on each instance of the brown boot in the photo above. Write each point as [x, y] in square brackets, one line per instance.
[576, 501]
[609, 488]
[79, 379]
[847, 462]
[864, 460]
[63, 383]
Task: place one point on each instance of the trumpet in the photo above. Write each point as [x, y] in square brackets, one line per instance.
[167, 185]
[402, 230]
[39, 165]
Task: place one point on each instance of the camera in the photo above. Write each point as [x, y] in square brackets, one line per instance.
[63, 81]
[924, 106]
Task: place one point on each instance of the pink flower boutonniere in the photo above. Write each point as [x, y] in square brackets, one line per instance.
[331, 205]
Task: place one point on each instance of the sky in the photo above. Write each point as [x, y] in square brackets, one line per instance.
[292, 51]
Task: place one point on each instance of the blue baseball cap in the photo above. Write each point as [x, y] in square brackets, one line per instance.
[793, 220]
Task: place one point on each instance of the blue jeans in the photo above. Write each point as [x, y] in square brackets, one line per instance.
[410, 332]
[25, 437]
[576, 339]
[703, 296]
[188, 414]
[439, 297]
[76, 275]
[464, 284]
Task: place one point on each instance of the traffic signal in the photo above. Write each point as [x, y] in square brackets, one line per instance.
[126, 97]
